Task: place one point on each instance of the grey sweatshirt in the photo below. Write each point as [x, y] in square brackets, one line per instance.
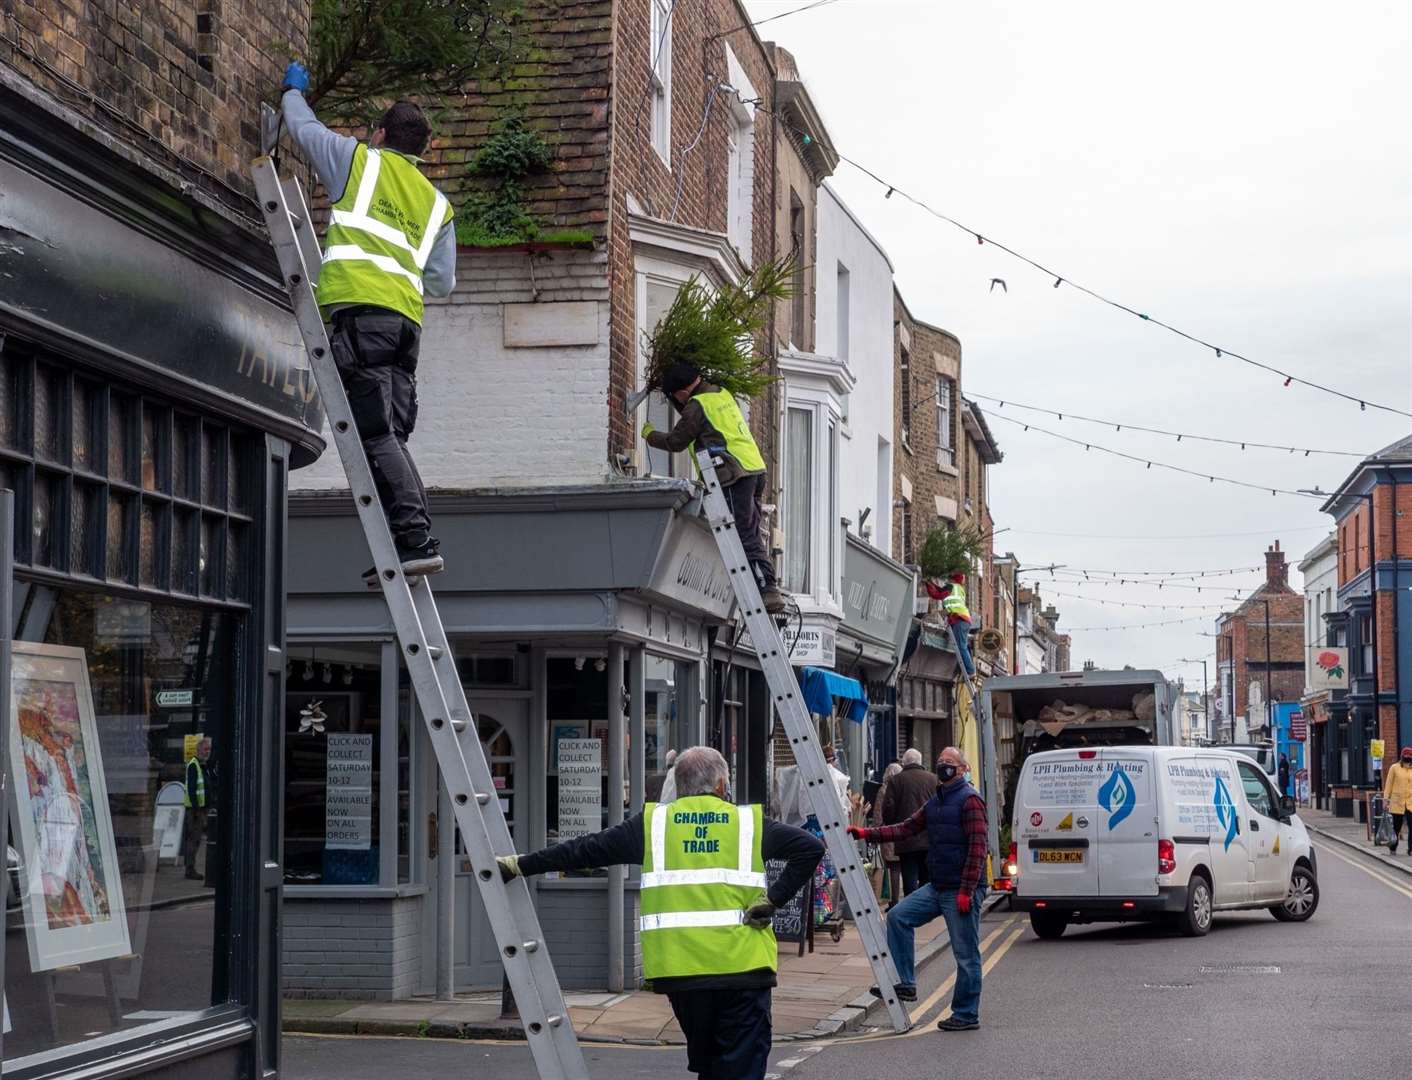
[331, 155]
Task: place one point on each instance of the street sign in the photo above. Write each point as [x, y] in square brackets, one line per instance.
[175, 699]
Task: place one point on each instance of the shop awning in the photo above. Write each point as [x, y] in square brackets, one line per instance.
[822, 686]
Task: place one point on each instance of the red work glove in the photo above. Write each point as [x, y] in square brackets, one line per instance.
[857, 833]
[963, 903]
[935, 591]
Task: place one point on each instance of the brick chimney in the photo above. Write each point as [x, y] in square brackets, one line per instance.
[1276, 569]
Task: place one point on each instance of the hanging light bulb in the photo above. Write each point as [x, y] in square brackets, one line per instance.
[348, 675]
[308, 670]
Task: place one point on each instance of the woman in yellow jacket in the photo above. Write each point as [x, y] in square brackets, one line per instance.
[1397, 789]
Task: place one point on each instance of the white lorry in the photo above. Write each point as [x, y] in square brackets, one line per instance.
[1123, 833]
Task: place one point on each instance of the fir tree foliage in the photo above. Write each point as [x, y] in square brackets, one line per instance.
[364, 54]
[715, 330]
[950, 550]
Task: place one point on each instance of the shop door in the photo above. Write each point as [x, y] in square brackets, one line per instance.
[503, 727]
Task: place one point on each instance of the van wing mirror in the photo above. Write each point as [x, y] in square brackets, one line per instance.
[1287, 807]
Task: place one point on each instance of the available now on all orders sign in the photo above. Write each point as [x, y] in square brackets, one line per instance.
[348, 808]
[580, 787]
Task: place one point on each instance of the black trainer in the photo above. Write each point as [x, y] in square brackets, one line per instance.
[416, 562]
[904, 992]
[952, 1024]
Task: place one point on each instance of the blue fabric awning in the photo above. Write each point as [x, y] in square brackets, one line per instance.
[821, 686]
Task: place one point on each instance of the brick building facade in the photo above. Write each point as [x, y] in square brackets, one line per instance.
[1374, 616]
[1252, 670]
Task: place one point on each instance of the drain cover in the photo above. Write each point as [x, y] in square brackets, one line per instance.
[1240, 969]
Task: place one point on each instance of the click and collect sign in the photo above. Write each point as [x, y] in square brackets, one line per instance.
[348, 807]
[580, 787]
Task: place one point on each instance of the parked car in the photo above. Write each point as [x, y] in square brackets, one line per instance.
[1263, 753]
[1156, 833]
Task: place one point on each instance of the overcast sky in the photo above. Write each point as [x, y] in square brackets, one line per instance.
[1242, 171]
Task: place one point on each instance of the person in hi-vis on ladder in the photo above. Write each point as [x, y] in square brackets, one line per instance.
[390, 241]
[711, 417]
[706, 923]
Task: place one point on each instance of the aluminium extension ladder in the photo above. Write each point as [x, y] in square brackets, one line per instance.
[804, 740]
[430, 663]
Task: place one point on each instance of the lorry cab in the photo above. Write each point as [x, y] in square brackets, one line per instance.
[1124, 833]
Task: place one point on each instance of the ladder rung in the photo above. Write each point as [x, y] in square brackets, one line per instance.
[434, 651]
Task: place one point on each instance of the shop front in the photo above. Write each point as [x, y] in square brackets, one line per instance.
[877, 617]
[151, 406]
[582, 620]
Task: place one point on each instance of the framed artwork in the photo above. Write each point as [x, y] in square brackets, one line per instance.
[559, 731]
[71, 883]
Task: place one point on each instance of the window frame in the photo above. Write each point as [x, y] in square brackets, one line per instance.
[740, 160]
[904, 366]
[793, 530]
[660, 78]
[945, 433]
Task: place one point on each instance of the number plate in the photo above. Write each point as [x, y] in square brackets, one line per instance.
[1048, 856]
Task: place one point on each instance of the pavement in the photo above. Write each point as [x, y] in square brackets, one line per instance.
[819, 994]
[1352, 834]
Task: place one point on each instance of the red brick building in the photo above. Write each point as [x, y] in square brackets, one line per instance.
[1370, 513]
[1260, 652]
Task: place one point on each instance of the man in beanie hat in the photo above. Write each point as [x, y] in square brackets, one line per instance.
[1397, 789]
[711, 417]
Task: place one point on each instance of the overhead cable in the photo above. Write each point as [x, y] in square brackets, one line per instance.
[1179, 435]
[1150, 463]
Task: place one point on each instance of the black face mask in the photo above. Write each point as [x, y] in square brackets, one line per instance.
[946, 772]
[1407, 761]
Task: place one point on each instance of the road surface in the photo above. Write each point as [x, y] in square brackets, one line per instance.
[1254, 999]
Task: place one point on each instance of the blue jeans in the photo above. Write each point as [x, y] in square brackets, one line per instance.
[922, 907]
[961, 631]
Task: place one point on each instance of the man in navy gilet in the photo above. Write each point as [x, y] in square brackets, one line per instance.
[954, 821]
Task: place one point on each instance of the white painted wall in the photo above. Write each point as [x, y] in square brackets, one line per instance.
[512, 379]
[869, 350]
[1320, 597]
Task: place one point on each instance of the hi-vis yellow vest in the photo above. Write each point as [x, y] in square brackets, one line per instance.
[701, 869]
[380, 234]
[955, 602]
[725, 416]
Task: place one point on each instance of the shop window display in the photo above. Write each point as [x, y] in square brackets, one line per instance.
[332, 746]
[118, 885]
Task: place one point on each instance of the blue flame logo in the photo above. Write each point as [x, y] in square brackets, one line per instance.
[1117, 796]
[1225, 811]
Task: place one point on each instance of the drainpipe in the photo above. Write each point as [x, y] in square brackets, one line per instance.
[1373, 607]
[1396, 621]
[616, 874]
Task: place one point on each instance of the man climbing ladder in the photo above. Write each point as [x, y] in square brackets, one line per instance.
[390, 239]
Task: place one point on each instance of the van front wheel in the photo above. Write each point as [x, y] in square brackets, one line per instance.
[1048, 925]
[1301, 900]
[1195, 918]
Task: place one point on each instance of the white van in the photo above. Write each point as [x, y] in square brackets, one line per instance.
[1155, 833]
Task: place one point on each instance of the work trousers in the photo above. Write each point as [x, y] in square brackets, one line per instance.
[376, 353]
[914, 870]
[744, 497]
[961, 631]
[194, 832]
[727, 1032]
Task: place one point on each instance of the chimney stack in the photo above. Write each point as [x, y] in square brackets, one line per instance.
[1276, 569]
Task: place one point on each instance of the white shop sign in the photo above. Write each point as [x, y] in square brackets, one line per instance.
[580, 787]
[348, 808]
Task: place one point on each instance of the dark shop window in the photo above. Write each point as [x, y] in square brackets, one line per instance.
[121, 487]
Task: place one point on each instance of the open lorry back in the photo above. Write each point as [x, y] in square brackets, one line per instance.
[1062, 710]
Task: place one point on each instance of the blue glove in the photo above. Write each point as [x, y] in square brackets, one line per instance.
[296, 77]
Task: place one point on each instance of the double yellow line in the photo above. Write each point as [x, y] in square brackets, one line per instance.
[1357, 864]
[921, 1022]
